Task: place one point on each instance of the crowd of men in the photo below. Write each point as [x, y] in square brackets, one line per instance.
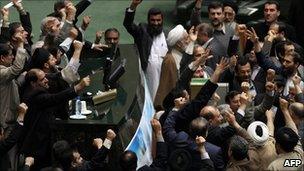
[260, 126]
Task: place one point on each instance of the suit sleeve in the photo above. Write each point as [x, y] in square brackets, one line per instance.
[81, 6]
[169, 131]
[129, 24]
[97, 162]
[160, 162]
[206, 165]
[195, 18]
[266, 63]
[10, 73]
[11, 140]
[27, 25]
[46, 99]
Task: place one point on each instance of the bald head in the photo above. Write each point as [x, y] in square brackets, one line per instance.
[212, 114]
[297, 111]
[198, 127]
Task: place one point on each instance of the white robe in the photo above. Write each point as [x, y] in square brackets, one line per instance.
[157, 54]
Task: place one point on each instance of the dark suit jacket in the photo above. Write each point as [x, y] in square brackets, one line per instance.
[37, 121]
[160, 162]
[11, 140]
[142, 38]
[178, 122]
[262, 28]
[96, 163]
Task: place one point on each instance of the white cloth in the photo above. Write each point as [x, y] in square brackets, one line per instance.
[255, 72]
[289, 84]
[258, 140]
[176, 34]
[206, 44]
[157, 54]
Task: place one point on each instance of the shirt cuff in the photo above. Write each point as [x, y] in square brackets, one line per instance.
[129, 10]
[66, 44]
[235, 37]
[204, 156]
[270, 93]
[241, 112]
[192, 67]
[160, 139]
[107, 143]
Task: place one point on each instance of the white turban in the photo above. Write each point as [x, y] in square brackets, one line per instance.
[257, 139]
[175, 35]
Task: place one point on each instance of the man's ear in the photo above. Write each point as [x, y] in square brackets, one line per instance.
[1, 58]
[46, 65]
[279, 13]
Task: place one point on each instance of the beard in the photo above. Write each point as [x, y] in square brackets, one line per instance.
[288, 72]
[215, 23]
[155, 30]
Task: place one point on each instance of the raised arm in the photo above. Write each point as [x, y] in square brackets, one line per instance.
[12, 72]
[128, 22]
[195, 18]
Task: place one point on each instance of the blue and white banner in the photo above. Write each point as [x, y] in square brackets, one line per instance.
[141, 142]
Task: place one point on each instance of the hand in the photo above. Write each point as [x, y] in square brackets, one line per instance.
[85, 22]
[222, 66]
[5, 12]
[85, 82]
[270, 115]
[156, 126]
[17, 5]
[192, 34]
[73, 33]
[198, 4]
[240, 29]
[270, 75]
[19, 39]
[179, 102]
[233, 61]
[70, 11]
[296, 80]
[29, 161]
[216, 97]
[252, 35]
[200, 141]
[271, 35]
[110, 134]
[100, 46]
[202, 58]
[77, 45]
[21, 109]
[230, 118]
[97, 142]
[63, 14]
[244, 99]
[283, 104]
[134, 4]
[245, 86]
[99, 35]
[269, 86]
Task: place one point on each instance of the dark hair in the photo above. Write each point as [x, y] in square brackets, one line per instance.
[13, 27]
[128, 160]
[241, 62]
[59, 5]
[5, 49]
[286, 138]
[238, 147]
[214, 5]
[155, 11]
[63, 154]
[230, 95]
[273, 2]
[168, 102]
[205, 28]
[111, 30]
[30, 76]
[296, 57]
[40, 57]
[280, 48]
[297, 109]
[232, 5]
[198, 127]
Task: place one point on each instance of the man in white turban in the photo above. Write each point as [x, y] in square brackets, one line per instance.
[178, 39]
